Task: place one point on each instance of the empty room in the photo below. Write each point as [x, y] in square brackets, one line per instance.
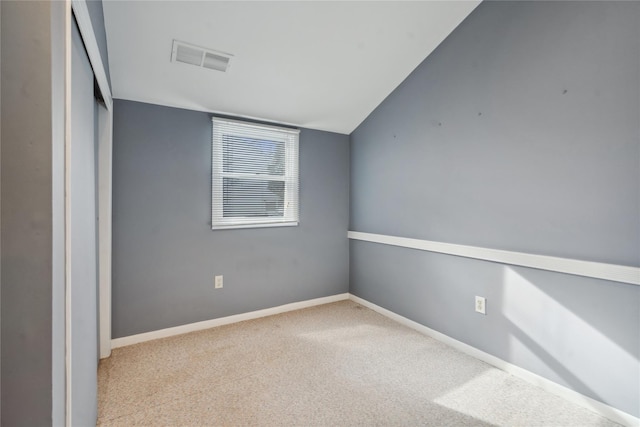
[319, 213]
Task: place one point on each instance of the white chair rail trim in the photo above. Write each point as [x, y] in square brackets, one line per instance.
[613, 272]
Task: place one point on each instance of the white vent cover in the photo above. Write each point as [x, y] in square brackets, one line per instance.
[200, 57]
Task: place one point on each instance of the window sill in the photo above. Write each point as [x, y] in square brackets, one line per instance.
[256, 225]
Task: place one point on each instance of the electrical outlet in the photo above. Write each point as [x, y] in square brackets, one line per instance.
[481, 305]
[218, 282]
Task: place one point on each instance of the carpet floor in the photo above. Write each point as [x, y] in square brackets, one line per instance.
[338, 364]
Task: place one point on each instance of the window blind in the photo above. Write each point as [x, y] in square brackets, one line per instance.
[254, 175]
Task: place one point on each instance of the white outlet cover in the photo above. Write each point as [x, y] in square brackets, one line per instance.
[218, 282]
[481, 305]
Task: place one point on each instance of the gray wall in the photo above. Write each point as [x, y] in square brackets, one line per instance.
[165, 254]
[82, 239]
[520, 132]
[58, 13]
[26, 228]
[32, 221]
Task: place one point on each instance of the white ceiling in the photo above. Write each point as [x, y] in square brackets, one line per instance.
[321, 65]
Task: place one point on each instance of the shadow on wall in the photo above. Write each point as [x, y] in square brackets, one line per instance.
[544, 332]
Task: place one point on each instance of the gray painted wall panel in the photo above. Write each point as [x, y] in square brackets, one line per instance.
[32, 192]
[578, 332]
[84, 354]
[165, 254]
[520, 132]
[26, 229]
[58, 10]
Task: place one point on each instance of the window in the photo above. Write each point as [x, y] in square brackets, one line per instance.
[254, 175]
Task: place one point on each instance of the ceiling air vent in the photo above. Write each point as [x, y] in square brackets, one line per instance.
[200, 57]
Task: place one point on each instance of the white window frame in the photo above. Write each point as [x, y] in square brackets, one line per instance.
[291, 177]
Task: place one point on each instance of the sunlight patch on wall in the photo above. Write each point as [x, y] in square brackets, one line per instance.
[542, 328]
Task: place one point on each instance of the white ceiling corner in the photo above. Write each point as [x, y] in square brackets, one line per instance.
[316, 64]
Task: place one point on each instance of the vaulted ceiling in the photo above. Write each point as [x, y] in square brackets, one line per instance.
[316, 64]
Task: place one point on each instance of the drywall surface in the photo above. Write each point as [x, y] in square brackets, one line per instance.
[520, 132]
[58, 265]
[165, 255]
[82, 240]
[26, 227]
[579, 332]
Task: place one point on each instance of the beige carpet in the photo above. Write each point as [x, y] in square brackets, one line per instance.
[334, 365]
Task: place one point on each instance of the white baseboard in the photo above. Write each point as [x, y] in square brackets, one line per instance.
[206, 324]
[596, 406]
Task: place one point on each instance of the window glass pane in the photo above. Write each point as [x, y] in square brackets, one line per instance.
[252, 198]
[249, 155]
